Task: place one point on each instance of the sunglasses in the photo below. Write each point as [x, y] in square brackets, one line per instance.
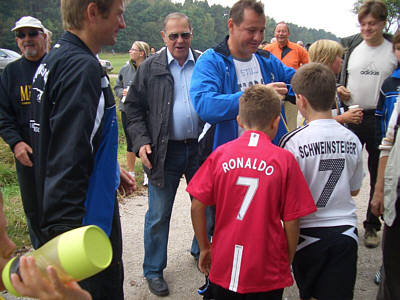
[175, 36]
[31, 33]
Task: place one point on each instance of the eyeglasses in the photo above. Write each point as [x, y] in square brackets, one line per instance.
[175, 36]
[135, 50]
[31, 33]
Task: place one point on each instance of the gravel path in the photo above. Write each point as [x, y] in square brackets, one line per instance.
[181, 273]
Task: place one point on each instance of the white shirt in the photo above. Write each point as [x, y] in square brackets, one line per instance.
[367, 69]
[248, 73]
[330, 157]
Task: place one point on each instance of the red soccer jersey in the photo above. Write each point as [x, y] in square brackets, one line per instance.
[255, 185]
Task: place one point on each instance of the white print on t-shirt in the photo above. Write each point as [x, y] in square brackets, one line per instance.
[250, 163]
[254, 137]
[237, 261]
[327, 147]
[248, 72]
[252, 184]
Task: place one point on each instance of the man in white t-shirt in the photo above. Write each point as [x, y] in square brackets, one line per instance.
[330, 157]
[369, 60]
[222, 73]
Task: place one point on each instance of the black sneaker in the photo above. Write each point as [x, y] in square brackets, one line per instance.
[158, 286]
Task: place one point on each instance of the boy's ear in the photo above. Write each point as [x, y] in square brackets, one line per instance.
[239, 121]
[301, 101]
[275, 123]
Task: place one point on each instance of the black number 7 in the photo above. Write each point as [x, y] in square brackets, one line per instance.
[336, 166]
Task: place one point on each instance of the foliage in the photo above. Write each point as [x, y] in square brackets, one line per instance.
[393, 20]
[144, 21]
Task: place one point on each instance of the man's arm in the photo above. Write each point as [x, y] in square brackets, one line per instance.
[292, 236]
[198, 213]
[9, 129]
[206, 90]
[377, 207]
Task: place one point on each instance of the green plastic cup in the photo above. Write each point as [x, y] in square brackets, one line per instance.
[76, 255]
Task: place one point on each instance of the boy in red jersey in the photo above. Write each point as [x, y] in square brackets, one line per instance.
[255, 186]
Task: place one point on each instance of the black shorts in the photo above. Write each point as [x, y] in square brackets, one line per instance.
[325, 264]
[219, 293]
[124, 122]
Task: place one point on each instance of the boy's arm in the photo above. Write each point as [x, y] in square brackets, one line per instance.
[199, 225]
[377, 207]
[292, 231]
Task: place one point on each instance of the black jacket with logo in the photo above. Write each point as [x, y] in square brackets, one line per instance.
[15, 103]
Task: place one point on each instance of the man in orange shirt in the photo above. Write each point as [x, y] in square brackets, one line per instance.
[292, 55]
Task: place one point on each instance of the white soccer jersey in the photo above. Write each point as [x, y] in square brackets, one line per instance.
[330, 157]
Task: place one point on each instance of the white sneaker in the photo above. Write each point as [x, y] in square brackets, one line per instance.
[132, 174]
[145, 180]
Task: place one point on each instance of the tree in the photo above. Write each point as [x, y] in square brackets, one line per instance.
[393, 7]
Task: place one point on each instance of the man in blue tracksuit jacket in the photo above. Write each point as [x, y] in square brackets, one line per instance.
[222, 73]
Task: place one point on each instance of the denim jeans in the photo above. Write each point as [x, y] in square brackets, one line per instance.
[181, 159]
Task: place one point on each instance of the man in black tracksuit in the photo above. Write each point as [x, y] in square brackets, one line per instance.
[75, 136]
[15, 105]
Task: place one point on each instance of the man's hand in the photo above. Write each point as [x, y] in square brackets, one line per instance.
[127, 183]
[21, 150]
[144, 151]
[205, 261]
[377, 206]
[354, 116]
[279, 87]
[344, 93]
[33, 284]
[125, 92]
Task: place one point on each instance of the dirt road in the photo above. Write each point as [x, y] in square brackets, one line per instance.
[181, 273]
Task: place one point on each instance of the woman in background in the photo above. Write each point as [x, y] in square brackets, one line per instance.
[138, 53]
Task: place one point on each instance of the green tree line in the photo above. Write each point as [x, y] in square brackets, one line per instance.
[144, 21]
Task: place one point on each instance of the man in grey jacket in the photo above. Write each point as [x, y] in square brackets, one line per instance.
[164, 128]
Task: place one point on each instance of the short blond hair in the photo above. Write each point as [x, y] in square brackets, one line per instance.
[325, 51]
[259, 106]
[72, 11]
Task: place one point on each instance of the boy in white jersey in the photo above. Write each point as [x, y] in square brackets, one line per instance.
[255, 186]
[330, 157]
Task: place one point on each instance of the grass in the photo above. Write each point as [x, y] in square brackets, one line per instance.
[16, 228]
[117, 60]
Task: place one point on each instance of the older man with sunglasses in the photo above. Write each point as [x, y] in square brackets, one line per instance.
[164, 128]
[15, 106]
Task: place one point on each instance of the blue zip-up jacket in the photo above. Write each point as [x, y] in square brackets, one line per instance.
[75, 140]
[387, 98]
[215, 92]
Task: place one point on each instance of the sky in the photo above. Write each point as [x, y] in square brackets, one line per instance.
[331, 15]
